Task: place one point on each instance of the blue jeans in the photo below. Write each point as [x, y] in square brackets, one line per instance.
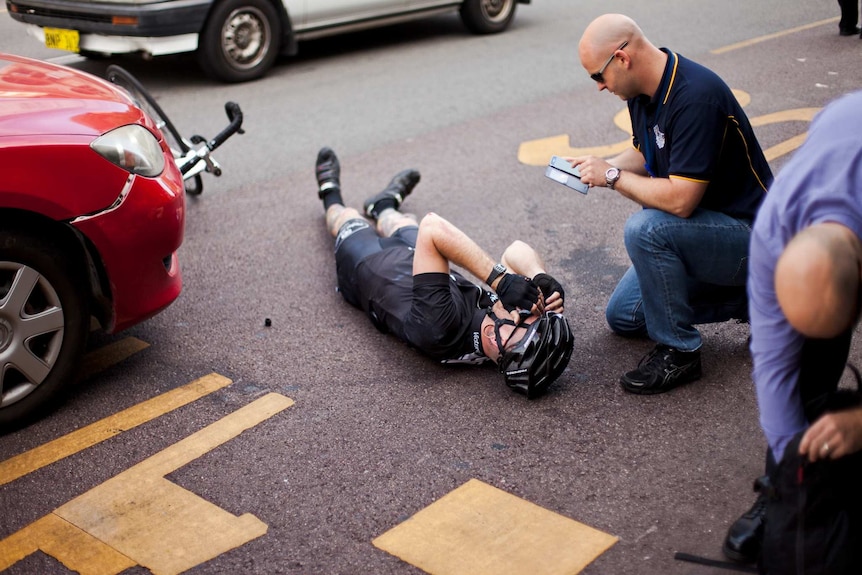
[692, 270]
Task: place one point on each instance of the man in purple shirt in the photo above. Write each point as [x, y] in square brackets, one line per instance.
[804, 301]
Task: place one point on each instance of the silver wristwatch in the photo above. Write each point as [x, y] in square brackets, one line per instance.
[611, 176]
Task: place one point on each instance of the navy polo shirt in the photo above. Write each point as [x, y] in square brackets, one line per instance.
[693, 128]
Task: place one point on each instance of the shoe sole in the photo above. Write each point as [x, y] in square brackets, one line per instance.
[736, 556]
[641, 390]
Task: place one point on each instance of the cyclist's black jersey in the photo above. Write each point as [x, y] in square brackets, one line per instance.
[439, 314]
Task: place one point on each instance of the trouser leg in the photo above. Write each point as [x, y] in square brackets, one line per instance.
[849, 14]
[669, 254]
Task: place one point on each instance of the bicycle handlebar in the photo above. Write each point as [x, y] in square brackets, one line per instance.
[234, 114]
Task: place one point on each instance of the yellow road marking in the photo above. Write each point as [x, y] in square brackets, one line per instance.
[59, 538]
[538, 152]
[784, 147]
[760, 39]
[81, 439]
[140, 518]
[478, 529]
[104, 357]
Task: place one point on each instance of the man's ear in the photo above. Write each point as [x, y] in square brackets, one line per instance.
[488, 333]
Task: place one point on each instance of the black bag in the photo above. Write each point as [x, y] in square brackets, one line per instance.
[814, 511]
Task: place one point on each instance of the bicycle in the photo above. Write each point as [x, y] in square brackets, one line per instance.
[192, 155]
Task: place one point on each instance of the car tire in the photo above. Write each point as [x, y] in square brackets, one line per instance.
[44, 323]
[488, 16]
[240, 40]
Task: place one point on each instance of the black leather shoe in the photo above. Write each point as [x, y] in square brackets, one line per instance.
[745, 537]
[849, 31]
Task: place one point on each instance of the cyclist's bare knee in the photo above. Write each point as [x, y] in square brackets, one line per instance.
[337, 214]
[391, 220]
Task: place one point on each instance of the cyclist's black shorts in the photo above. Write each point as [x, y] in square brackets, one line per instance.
[356, 241]
[440, 314]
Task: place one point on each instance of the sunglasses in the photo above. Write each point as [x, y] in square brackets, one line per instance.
[598, 77]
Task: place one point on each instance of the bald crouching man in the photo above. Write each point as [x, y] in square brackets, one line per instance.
[698, 171]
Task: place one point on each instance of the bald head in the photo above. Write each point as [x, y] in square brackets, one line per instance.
[605, 33]
[637, 69]
[817, 280]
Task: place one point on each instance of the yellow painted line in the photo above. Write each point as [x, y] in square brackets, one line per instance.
[140, 518]
[784, 147]
[538, 152]
[53, 451]
[478, 528]
[59, 538]
[111, 354]
[792, 115]
[760, 39]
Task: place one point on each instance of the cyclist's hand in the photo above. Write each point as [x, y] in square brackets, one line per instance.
[519, 292]
[554, 294]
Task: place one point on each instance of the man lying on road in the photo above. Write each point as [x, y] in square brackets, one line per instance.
[398, 272]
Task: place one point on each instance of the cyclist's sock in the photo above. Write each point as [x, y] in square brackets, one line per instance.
[331, 195]
[384, 204]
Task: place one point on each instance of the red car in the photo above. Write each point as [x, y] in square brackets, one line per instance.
[92, 212]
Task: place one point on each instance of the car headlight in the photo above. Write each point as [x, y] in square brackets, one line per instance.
[133, 148]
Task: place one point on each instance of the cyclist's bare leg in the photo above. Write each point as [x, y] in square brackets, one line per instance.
[337, 214]
[391, 220]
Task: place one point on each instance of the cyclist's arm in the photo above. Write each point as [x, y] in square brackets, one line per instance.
[439, 243]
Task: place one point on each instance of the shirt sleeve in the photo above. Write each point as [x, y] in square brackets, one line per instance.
[697, 134]
[435, 320]
[775, 348]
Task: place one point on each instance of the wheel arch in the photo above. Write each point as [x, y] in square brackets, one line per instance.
[78, 246]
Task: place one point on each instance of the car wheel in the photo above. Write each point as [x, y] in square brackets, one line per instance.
[44, 323]
[240, 40]
[488, 16]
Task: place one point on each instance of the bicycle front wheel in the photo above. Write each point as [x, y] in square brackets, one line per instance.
[123, 78]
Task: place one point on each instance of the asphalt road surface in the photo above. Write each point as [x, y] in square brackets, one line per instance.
[205, 441]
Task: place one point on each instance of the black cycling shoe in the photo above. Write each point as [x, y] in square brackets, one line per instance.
[663, 369]
[745, 536]
[328, 171]
[392, 196]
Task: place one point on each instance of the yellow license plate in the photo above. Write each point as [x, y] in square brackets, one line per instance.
[62, 39]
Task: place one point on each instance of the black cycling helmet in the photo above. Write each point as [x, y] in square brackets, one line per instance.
[533, 363]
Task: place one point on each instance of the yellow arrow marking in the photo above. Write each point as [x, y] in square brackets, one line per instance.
[478, 528]
[539, 152]
[81, 439]
[139, 517]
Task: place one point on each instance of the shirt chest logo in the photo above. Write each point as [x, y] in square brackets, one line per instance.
[659, 137]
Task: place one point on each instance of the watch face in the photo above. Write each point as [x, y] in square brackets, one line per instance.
[612, 173]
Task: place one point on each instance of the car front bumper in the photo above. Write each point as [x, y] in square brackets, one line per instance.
[137, 242]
